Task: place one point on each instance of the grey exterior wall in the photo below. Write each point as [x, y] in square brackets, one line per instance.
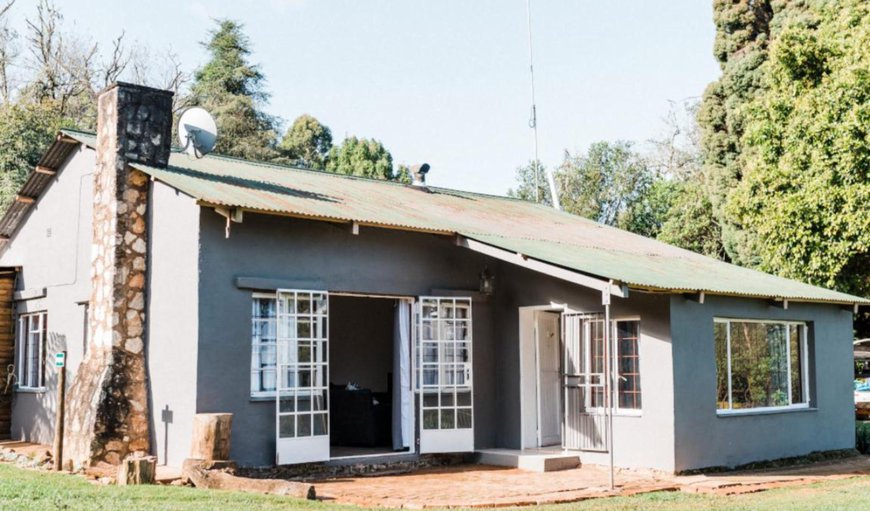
[53, 247]
[172, 320]
[705, 439]
[329, 257]
[375, 261]
[645, 440]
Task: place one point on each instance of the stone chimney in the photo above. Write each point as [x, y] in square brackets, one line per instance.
[107, 406]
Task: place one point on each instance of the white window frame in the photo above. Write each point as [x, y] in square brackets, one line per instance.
[25, 384]
[614, 361]
[805, 387]
[257, 393]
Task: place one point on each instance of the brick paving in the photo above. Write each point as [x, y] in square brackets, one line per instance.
[486, 486]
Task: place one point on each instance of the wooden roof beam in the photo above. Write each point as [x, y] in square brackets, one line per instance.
[45, 170]
[25, 199]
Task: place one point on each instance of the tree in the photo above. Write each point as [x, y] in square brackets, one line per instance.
[232, 89]
[605, 183]
[805, 190]
[361, 157]
[307, 142]
[742, 35]
[25, 131]
[525, 190]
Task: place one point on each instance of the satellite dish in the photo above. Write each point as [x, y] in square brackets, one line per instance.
[197, 132]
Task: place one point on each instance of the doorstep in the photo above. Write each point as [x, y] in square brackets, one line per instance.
[532, 460]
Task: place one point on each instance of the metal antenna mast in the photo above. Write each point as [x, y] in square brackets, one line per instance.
[533, 122]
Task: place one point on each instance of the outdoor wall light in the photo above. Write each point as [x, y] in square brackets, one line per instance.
[487, 280]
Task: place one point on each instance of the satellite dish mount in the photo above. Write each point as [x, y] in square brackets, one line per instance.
[197, 132]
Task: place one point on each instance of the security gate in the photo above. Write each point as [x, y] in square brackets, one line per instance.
[302, 393]
[444, 374]
[585, 420]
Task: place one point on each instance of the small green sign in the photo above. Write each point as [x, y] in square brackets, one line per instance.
[60, 359]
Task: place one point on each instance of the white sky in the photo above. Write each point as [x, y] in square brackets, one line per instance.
[446, 82]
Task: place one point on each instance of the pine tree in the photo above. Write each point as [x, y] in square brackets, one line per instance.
[232, 90]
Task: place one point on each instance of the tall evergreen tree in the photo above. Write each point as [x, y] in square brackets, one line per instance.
[232, 90]
[742, 36]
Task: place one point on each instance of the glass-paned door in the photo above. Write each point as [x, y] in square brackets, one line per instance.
[583, 383]
[444, 374]
[302, 390]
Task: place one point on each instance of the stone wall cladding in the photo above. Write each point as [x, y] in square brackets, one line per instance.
[107, 408]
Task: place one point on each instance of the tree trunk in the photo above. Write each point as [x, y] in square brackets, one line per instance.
[137, 470]
[218, 476]
[211, 436]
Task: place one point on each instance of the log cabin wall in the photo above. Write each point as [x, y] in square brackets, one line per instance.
[7, 350]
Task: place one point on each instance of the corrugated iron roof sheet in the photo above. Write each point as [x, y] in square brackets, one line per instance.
[534, 230]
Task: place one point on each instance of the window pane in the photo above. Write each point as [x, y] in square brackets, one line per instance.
[430, 419]
[796, 346]
[448, 418]
[463, 418]
[285, 426]
[720, 340]
[628, 365]
[759, 365]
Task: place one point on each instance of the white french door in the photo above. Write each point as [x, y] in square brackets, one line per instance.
[583, 382]
[302, 389]
[443, 359]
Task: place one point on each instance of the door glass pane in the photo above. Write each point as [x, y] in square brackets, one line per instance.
[430, 419]
[303, 425]
[286, 426]
[448, 418]
[320, 424]
[463, 418]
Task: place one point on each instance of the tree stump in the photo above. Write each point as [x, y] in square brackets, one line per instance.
[137, 470]
[219, 476]
[211, 436]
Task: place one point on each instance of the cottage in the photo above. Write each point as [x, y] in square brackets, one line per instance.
[337, 316]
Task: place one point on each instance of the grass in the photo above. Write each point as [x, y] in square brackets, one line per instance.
[30, 490]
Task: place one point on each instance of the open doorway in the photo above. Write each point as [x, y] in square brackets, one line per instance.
[541, 377]
[370, 376]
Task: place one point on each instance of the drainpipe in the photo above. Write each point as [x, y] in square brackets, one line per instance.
[608, 383]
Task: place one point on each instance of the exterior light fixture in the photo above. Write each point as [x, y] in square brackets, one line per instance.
[487, 280]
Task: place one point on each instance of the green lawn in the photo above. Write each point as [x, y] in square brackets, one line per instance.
[23, 490]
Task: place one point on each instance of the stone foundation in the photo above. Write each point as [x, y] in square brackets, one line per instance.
[107, 407]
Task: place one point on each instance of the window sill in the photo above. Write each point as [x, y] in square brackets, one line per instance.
[257, 398]
[30, 390]
[765, 411]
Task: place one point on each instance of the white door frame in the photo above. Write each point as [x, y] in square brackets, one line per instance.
[528, 339]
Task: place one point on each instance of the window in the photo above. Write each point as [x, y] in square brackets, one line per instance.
[31, 347]
[626, 342]
[760, 365]
[263, 346]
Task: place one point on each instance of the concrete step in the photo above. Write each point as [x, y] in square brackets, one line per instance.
[531, 460]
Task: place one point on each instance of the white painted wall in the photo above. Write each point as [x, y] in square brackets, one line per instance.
[53, 248]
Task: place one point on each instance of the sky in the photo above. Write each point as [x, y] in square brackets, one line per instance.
[446, 82]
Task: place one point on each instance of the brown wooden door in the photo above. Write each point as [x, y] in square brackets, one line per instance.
[7, 350]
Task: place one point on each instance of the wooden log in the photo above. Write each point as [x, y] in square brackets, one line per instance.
[137, 470]
[218, 476]
[211, 436]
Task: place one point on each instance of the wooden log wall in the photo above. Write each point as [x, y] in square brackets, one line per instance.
[7, 349]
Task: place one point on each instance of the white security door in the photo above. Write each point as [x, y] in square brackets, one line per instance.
[444, 374]
[549, 379]
[583, 383]
[302, 393]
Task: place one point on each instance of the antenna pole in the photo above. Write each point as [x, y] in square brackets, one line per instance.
[533, 123]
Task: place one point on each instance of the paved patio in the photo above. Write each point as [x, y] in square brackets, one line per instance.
[486, 486]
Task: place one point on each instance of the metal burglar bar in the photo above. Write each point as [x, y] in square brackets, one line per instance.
[584, 382]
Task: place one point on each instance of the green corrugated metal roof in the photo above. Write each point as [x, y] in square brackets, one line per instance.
[536, 231]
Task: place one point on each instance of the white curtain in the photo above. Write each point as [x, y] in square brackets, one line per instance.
[403, 425]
